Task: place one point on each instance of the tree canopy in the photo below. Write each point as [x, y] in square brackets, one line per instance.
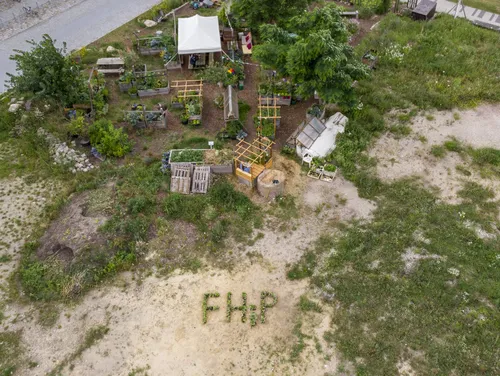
[48, 73]
[313, 52]
[258, 12]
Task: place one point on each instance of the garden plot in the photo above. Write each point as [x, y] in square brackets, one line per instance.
[412, 155]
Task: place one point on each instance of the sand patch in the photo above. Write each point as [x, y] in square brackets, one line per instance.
[158, 324]
[410, 156]
[338, 200]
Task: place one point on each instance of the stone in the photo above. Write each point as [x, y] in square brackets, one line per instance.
[14, 107]
[110, 49]
[159, 32]
[150, 23]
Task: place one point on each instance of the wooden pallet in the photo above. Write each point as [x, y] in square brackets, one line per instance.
[201, 179]
[181, 180]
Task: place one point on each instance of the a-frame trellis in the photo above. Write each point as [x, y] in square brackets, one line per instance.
[190, 91]
[268, 110]
[250, 159]
[188, 88]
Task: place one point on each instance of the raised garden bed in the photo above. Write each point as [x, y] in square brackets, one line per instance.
[156, 45]
[274, 89]
[220, 161]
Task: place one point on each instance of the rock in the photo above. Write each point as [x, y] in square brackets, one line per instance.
[110, 49]
[14, 107]
[150, 23]
[159, 32]
[13, 100]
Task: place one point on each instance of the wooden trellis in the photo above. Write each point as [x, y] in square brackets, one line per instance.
[251, 159]
[268, 110]
[188, 88]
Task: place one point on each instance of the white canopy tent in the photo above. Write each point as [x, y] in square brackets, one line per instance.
[198, 35]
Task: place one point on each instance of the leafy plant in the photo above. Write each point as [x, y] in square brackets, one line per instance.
[78, 127]
[330, 168]
[205, 307]
[48, 73]
[109, 140]
[188, 155]
[304, 50]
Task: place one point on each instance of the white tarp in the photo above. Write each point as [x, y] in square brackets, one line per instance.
[199, 34]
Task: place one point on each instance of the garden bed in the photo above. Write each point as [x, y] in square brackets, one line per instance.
[220, 161]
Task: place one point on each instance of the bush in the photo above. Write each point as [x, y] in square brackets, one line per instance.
[109, 140]
[78, 127]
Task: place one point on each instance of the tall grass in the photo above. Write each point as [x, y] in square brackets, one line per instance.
[440, 64]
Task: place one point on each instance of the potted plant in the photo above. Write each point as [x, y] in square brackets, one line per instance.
[330, 170]
[133, 92]
[184, 119]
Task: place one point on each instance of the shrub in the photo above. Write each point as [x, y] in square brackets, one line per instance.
[109, 140]
[78, 127]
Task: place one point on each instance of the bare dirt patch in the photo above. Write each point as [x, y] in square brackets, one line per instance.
[77, 227]
[338, 199]
[411, 156]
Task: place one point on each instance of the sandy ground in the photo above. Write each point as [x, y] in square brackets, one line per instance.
[155, 323]
[21, 207]
[411, 156]
[158, 324]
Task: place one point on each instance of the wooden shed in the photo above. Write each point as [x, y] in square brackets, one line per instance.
[424, 11]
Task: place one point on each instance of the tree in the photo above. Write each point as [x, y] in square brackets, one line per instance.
[313, 52]
[258, 12]
[48, 73]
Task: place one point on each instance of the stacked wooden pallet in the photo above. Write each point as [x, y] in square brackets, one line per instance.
[201, 179]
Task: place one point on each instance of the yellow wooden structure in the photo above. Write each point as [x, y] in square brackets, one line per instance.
[268, 110]
[250, 159]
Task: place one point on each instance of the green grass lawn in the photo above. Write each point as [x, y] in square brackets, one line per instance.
[492, 6]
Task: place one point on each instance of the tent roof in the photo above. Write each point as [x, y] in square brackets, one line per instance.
[199, 34]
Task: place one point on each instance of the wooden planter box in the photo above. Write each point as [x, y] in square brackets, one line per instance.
[222, 169]
[149, 51]
[266, 100]
[194, 118]
[153, 92]
[282, 100]
[177, 105]
[124, 86]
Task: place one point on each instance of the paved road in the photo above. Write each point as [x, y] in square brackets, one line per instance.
[473, 14]
[77, 26]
